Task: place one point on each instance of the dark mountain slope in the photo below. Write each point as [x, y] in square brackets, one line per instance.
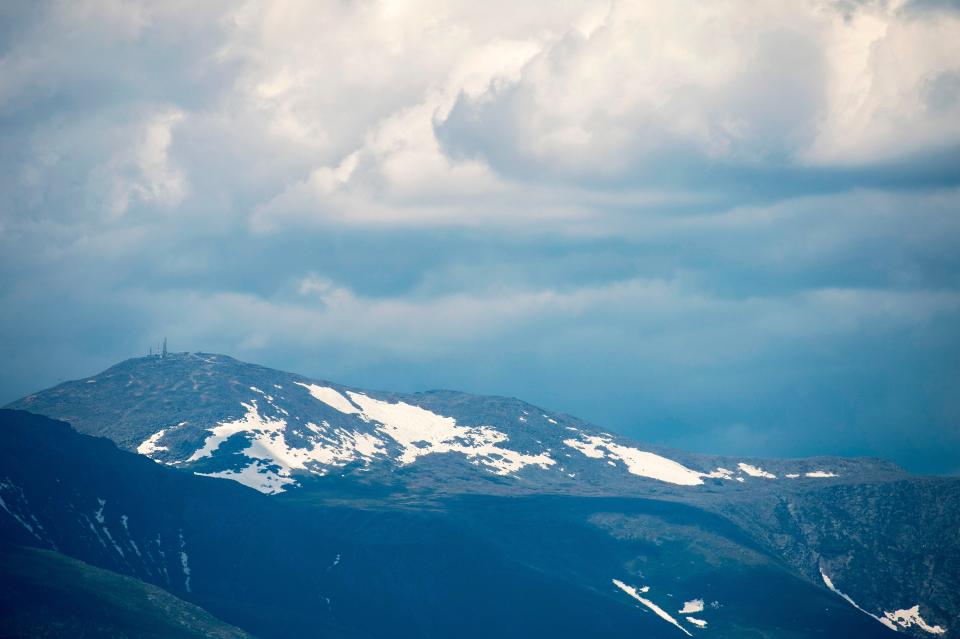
[46, 594]
[887, 545]
[459, 566]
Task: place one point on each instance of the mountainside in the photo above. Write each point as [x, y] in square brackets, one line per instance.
[271, 568]
[473, 503]
[47, 594]
[271, 430]
[467, 566]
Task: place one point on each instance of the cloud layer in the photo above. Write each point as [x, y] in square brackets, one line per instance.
[727, 227]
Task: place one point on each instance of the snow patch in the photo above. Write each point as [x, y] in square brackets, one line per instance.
[126, 529]
[20, 520]
[257, 476]
[150, 445]
[719, 473]
[755, 471]
[911, 616]
[638, 462]
[421, 432]
[94, 530]
[660, 612]
[819, 474]
[274, 458]
[184, 562]
[335, 563]
[331, 398]
[829, 583]
[251, 422]
[689, 607]
[163, 559]
[116, 546]
[24, 513]
[699, 623]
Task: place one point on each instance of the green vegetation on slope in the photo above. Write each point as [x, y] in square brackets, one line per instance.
[47, 594]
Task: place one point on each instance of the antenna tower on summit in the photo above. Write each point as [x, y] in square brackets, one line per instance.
[163, 353]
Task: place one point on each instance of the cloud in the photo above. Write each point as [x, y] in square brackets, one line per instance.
[142, 172]
[649, 83]
[636, 352]
[707, 226]
[427, 115]
[652, 92]
[890, 90]
[731, 101]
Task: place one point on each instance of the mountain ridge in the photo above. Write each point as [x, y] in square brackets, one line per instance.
[873, 536]
[503, 435]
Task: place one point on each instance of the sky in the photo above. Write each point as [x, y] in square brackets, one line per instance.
[728, 227]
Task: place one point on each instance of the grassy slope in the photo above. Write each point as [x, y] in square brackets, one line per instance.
[46, 594]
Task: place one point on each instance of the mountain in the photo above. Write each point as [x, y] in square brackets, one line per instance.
[272, 430]
[493, 510]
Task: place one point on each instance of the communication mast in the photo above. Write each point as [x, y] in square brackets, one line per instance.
[163, 353]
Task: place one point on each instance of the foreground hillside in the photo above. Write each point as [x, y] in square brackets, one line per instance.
[47, 594]
[503, 516]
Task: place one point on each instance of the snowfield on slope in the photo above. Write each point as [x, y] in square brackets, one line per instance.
[904, 618]
[911, 616]
[638, 462]
[279, 445]
[421, 432]
[657, 610]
